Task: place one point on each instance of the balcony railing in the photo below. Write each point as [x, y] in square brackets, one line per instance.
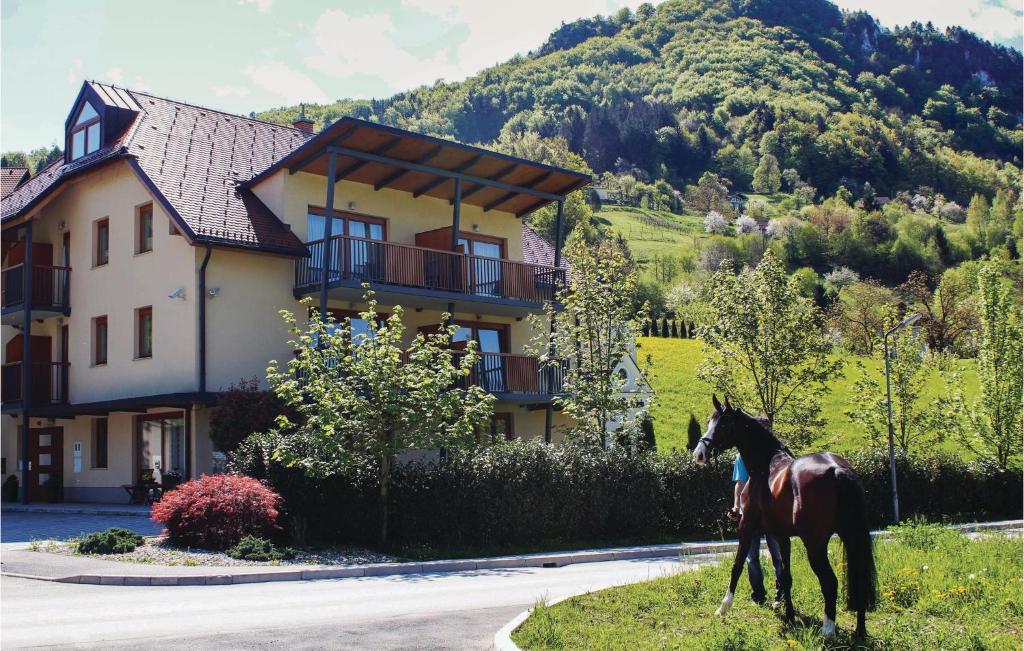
[374, 261]
[49, 287]
[48, 383]
[509, 373]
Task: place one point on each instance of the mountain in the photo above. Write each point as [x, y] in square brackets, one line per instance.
[668, 93]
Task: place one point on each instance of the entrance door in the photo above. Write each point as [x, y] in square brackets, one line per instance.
[485, 268]
[46, 464]
[491, 343]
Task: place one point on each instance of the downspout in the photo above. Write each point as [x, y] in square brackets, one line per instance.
[202, 318]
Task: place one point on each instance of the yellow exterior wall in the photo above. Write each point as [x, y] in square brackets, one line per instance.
[290, 195]
[127, 282]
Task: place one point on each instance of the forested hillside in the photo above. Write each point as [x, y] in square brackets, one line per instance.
[668, 93]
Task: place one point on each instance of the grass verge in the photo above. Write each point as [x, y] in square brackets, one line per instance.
[938, 589]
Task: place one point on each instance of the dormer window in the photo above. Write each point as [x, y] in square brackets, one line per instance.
[85, 132]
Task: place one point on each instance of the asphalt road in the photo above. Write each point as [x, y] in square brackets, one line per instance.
[444, 611]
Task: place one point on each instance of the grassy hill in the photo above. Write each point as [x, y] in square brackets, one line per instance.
[680, 394]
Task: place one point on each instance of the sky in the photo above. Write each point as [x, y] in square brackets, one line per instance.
[250, 55]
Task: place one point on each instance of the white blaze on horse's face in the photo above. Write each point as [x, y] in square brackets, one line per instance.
[700, 453]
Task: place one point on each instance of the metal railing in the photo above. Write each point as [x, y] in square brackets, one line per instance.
[49, 287]
[48, 383]
[375, 261]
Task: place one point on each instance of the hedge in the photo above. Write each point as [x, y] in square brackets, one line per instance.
[525, 493]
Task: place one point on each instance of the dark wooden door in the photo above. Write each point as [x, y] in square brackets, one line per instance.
[46, 464]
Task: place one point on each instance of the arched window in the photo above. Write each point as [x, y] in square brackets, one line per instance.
[85, 132]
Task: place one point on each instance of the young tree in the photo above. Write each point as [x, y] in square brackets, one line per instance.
[949, 311]
[366, 397]
[767, 176]
[859, 314]
[977, 219]
[714, 222]
[587, 339]
[991, 425]
[766, 349]
[914, 421]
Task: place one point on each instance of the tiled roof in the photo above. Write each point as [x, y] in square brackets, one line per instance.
[11, 178]
[194, 157]
[537, 250]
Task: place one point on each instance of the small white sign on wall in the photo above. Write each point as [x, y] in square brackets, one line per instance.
[77, 456]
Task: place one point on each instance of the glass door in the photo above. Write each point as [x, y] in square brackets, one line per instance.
[365, 257]
[315, 229]
[490, 341]
[160, 442]
[485, 268]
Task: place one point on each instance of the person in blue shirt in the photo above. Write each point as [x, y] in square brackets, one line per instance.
[754, 572]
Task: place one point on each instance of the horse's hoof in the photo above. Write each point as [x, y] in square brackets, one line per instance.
[828, 629]
[726, 605]
[776, 604]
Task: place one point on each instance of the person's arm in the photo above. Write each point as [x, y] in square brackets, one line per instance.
[737, 490]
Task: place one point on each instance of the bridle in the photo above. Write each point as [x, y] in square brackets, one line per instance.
[709, 445]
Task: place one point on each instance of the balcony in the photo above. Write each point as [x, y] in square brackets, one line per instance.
[516, 377]
[48, 384]
[423, 272]
[50, 296]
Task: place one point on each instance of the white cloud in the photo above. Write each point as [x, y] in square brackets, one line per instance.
[290, 85]
[262, 6]
[369, 45]
[114, 76]
[998, 20]
[227, 90]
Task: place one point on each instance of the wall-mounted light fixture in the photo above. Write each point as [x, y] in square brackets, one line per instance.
[476, 228]
[213, 291]
[351, 205]
[61, 225]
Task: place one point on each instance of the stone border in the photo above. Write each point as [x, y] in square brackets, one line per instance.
[503, 638]
[218, 576]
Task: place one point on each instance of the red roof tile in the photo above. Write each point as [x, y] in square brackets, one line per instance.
[194, 158]
[11, 178]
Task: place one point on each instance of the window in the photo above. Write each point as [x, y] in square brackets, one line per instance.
[144, 228]
[499, 429]
[144, 332]
[102, 238]
[85, 133]
[160, 442]
[99, 443]
[99, 340]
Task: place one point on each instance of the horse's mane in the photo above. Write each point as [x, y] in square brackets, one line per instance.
[761, 424]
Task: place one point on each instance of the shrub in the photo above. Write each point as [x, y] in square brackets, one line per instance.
[528, 493]
[241, 410]
[217, 511]
[253, 548]
[112, 541]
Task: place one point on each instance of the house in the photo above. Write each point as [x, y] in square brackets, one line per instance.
[164, 243]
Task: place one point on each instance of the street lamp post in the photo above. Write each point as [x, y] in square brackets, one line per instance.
[888, 401]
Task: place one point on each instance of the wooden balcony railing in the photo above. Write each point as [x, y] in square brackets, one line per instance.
[374, 261]
[49, 287]
[48, 383]
[510, 373]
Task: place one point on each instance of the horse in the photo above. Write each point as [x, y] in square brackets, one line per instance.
[812, 496]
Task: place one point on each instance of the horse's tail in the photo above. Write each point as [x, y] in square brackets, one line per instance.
[852, 525]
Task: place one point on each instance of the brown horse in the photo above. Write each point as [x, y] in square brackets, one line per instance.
[812, 496]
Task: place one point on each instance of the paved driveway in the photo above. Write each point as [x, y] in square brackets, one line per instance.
[21, 528]
[459, 610]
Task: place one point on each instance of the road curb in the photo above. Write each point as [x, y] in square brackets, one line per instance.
[291, 573]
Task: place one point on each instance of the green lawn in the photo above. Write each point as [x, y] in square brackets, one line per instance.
[655, 232]
[937, 590]
[680, 394]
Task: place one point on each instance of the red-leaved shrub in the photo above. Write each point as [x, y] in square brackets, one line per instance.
[216, 511]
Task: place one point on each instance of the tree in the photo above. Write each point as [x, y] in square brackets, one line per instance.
[367, 397]
[949, 311]
[587, 340]
[914, 421]
[714, 222]
[990, 425]
[745, 224]
[977, 219]
[767, 177]
[710, 193]
[766, 350]
[859, 314]
[241, 410]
